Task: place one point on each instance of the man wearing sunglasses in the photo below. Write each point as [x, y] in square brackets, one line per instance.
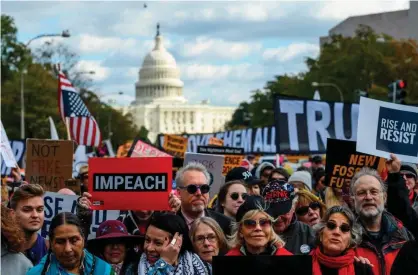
[281, 202]
[383, 234]
[410, 175]
[193, 184]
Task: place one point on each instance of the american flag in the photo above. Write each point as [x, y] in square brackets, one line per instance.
[82, 125]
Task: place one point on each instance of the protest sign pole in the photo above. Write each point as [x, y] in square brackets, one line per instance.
[67, 126]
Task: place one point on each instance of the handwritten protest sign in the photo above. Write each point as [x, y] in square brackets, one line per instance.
[74, 185]
[343, 162]
[215, 141]
[56, 203]
[385, 128]
[130, 183]
[175, 145]
[6, 151]
[214, 165]
[49, 162]
[141, 149]
[233, 156]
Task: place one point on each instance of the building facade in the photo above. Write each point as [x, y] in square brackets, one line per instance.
[160, 105]
[401, 24]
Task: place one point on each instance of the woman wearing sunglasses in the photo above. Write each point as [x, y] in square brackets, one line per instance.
[230, 197]
[337, 235]
[208, 239]
[309, 209]
[253, 231]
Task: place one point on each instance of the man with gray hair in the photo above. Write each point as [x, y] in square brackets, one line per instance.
[193, 184]
[383, 234]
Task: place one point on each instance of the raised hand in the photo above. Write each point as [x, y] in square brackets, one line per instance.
[85, 200]
[393, 164]
[170, 252]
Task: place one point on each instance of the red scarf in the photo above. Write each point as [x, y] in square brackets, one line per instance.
[411, 196]
[343, 263]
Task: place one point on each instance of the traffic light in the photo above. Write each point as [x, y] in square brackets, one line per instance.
[397, 93]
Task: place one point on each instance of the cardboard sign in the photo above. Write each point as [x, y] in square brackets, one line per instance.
[214, 164]
[130, 183]
[216, 141]
[74, 185]
[141, 149]
[6, 151]
[233, 156]
[49, 162]
[343, 161]
[385, 128]
[56, 203]
[175, 145]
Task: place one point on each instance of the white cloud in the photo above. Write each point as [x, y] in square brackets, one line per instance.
[100, 72]
[204, 46]
[340, 10]
[96, 44]
[217, 73]
[283, 54]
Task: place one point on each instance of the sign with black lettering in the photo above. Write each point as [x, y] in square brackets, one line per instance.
[305, 125]
[233, 156]
[175, 145]
[343, 162]
[386, 128]
[49, 162]
[18, 149]
[252, 140]
[214, 165]
[130, 183]
[56, 203]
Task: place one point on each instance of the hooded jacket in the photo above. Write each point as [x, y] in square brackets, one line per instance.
[394, 235]
[261, 167]
[14, 263]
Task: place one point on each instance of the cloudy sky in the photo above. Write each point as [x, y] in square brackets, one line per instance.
[223, 49]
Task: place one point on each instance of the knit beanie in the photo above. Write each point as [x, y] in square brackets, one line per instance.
[302, 176]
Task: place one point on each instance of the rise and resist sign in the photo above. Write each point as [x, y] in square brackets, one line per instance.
[49, 162]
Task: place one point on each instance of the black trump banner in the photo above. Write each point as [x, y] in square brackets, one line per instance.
[304, 126]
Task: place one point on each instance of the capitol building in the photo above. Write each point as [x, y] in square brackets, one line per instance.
[159, 102]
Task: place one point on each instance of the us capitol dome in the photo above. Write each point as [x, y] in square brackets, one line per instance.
[160, 105]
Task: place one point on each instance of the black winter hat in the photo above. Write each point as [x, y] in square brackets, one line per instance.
[251, 203]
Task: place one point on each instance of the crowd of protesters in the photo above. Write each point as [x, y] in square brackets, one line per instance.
[266, 210]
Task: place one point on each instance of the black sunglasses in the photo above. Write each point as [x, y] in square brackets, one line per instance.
[345, 228]
[235, 196]
[408, 176]
[303, 210]
[192, 188]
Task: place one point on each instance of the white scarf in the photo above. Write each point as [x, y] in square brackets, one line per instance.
[188, 264]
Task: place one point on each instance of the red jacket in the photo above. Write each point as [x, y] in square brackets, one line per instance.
[280, 251]
[394, 236]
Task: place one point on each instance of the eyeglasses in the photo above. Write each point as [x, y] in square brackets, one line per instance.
[363, 193]
[235, 196]
[252, 224]
[343, 227]
[201, 239]
[303, 210]
[408, 176]
[192, 188]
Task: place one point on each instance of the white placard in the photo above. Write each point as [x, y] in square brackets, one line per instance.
[214, 165]
[56, 203]
[6, 150]
[385, 128]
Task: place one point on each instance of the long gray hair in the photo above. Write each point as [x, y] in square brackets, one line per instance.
[355, 228]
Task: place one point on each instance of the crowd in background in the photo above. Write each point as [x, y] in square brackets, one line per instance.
[370, 228]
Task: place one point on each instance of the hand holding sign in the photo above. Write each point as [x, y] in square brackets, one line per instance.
[174, 202]
[393, 164]
[85, 200]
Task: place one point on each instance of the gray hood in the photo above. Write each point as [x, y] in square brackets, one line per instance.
[261, 167]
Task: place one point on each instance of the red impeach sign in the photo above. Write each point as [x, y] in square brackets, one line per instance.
[130, 183]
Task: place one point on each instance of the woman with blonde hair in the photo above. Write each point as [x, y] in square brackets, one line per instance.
[253, 232]
[208, 239]
[334, 197]
[309, 208]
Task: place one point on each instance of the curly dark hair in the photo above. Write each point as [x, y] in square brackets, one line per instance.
[11, 234]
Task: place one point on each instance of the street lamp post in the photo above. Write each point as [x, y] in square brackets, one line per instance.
[64, 34]
[316, 84]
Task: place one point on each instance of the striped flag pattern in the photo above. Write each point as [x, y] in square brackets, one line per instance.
[82, 126]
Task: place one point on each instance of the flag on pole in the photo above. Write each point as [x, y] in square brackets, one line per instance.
[54, 133]
[82, 126]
